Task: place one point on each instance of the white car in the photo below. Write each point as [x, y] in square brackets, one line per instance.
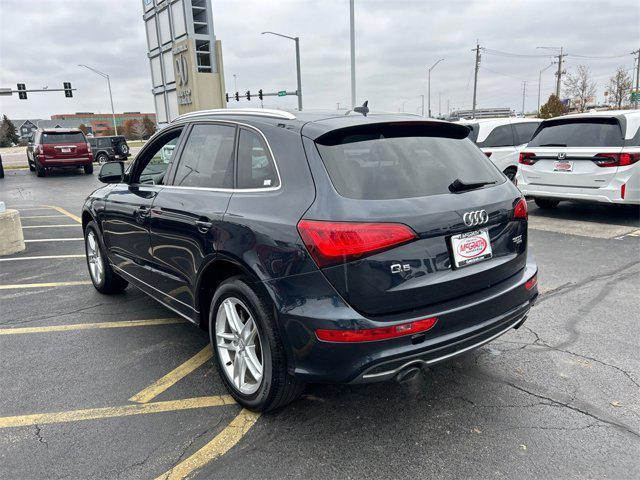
[588, 156]
[502, 139]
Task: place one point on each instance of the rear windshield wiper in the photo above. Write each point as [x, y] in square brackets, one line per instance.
[459, 186]
[553, 145]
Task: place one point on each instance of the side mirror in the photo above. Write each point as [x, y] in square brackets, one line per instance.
[111, 172]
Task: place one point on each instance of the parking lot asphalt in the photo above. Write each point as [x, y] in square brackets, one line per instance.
[95, 386]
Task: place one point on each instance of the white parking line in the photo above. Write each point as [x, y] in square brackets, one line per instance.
[42, 257]
[42, 216]
[55, 240]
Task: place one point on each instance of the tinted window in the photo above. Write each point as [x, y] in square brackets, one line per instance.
[524, 131]
[396, 161]
[104, 142]
[54, 137]
[157, 158]
[501, 136]
[255, 166]
[207, 158]
[635, 141]
[588, 132]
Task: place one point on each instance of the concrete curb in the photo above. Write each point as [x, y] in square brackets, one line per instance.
[11, 238]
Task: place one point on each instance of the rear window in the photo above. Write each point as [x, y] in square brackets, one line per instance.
[524, 131]
[473, 134]
[54, 137]
[501, 136]
[379, 162]
[587, 132]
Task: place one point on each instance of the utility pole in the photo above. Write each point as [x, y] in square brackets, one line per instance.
[635, 102]
[352, 35]
[559, 73]
[475, 79]
[524, 94]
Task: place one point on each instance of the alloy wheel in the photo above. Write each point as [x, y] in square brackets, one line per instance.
[239, 346]
[94, 258]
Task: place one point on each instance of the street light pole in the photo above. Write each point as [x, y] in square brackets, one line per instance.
[540, 81]
[104, 75]
[429, 85]
[352, 38]
[298, 73]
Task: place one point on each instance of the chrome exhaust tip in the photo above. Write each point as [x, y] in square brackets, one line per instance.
[407, 374]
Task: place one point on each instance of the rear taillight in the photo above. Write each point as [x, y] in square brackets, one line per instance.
[488, 154]
[532, 282]
[373, 334]
[615, 159]
[520, 211]
[527, 158]
[330, 243]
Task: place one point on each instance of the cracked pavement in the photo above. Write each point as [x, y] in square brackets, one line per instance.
[559, 398]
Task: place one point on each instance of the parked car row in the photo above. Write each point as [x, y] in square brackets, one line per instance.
[70, 148]
[586, 157]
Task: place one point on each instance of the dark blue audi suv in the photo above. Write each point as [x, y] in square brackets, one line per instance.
[316, 247]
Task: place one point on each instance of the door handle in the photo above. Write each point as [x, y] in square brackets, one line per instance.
[204, 225]
[143, 211]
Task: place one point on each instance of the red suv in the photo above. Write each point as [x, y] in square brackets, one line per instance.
[59, 147]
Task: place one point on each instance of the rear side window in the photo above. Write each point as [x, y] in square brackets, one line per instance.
[501, 136]
[207, 157]
[377, 162]
[583, 132]
[524, 131]
[255, 166]
[54, 137]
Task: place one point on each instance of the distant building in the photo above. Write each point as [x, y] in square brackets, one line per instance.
[484, 113]
[25, 128]
[99, 122]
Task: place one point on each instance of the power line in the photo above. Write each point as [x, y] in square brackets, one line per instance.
[509, 54]
[595, 57]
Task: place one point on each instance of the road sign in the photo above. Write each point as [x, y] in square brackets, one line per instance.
[282, 93]
[635, 96]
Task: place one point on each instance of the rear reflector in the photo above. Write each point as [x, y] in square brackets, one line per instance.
[615, 159]
[623, 190]
[527, 158]
[373, 334]
[520, 211]
[331, 243]
[532, 282]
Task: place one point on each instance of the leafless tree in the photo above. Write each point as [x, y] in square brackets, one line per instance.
[579, 86]
[619, 87]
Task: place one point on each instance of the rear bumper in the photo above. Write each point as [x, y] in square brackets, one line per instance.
[65, 162]
[463, 324]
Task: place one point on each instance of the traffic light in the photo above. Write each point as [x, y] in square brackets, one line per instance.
[260, 94]
[67, 89]
[22, 93]
[248, 94]
[227, 97]
[237, 97]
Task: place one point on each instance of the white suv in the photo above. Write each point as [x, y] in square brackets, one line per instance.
[502, 139]
[588, 156]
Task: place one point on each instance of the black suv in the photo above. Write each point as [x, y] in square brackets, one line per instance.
[108, 149]
[316, 247]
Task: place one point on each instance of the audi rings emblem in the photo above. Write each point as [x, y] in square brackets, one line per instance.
[478, 217]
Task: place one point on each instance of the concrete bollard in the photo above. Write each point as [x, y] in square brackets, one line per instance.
[11, 238]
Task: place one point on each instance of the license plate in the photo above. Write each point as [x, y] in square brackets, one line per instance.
[562, 166]
[66, 150]
[471, 247]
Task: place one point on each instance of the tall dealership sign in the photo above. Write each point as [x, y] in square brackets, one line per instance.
[185, 57]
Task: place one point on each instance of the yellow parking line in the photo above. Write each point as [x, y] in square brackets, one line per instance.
[29, 209]
[90, 326]
[41, 257]
[174, 376]
[635, 233]
[19, 286]
[64, 212]
[50, 226]
[111, 412]
[217, 447]
[54, 240]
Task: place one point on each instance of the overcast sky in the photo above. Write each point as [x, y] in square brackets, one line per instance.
[42, 41]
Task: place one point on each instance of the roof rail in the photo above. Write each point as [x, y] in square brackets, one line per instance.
[255, 112]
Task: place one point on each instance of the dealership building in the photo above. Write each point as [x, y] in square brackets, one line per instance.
[100, 122]
[185, 57]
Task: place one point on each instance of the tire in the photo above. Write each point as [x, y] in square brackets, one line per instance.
[123, 149]
[546, 203]
[511, 174]
[102, 158]
[88, 169]
[276, 387]
[108, 282]
[40, 170]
